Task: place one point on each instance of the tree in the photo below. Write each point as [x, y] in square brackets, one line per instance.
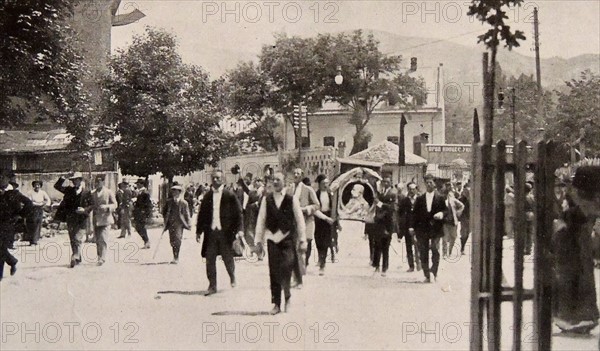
[577, 114]
[370, 78]
[493, 12]
[40, 68]
[161, 113]
[248, 99]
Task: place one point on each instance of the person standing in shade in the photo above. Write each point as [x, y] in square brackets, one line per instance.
[454, 210]
[406, 209]
[219, 218]
[142, 211]
[309, 203]
[177, 218]
[12, 205]
[40, 199]
[281, 224]
[384, 227]
[465, 218]
[325, 224]
[125, 202]
[530, 217]
[428, 226]
[103, 205]
[72, 210]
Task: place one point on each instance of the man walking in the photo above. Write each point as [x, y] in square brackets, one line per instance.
[177, 218]
[406, 209]
[309, 204]
[124, 201]
[465, 219]
[384, 226]
[428, 226]
[103, 205]
[72, 210]
[219, 218]
[454, 209]
[281, 224]
[142, 211]
[12, 204]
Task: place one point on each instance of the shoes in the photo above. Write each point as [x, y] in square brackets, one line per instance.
[175, 261]
[100, 262]
[121, 237]
[73, 263]
[411, 269]
[233, 284]
[210, 291]
[287, 306]
[298, 286]
[13, 269]
[427, 280]
[276, 310]
[376, 270]
[383, 274]
[321, 271]
[146, 245]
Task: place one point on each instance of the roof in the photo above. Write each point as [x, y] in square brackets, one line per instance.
[380, 154]
[22, 141]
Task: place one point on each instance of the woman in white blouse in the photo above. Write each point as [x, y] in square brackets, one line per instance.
[40, 199]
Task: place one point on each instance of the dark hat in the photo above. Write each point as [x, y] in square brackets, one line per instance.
[37, 182]
[76, 175]
[101, 177]
[140, 181]
[176, 187]
[320, 178]
[587, 179]
[249, 175]
[428, 176]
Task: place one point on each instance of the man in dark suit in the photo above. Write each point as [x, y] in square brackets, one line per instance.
[384, 225]
[72, 211]
[428, 225]
[220, 217]
[177, 218]
[406, 209]
[142, 211]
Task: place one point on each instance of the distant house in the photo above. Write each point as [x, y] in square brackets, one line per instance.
[46, 155]
[383, 158]
[329, 126]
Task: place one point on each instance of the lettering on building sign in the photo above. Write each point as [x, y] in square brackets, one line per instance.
[459, 149]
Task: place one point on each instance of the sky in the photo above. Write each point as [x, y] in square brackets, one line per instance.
[567, 28]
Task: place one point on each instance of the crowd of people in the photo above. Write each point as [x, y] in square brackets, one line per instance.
[283, 220]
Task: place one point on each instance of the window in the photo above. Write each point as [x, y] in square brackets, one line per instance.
[393, 139]
[329, 141]
[305, 142]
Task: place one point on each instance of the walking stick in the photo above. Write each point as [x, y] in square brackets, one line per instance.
[158, 243]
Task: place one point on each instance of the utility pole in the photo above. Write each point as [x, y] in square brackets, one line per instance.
[536, 35]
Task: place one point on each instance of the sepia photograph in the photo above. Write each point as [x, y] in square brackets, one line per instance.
[300, 175]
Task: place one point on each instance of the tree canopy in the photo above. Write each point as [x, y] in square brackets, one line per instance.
[161, 113]
[41, 69]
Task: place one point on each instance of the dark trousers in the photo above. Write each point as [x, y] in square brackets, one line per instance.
[5, 257]
[371, 247]
[297, 271]
[140, 227]
[175, 236]
[465, 230]
[426, 244]
[381, 248]
[34, 225]
[217, 244]
[308, 250]
[281, 263]
[76, 236]
[410, 244]
[323, 240]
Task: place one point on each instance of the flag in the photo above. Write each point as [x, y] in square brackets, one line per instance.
[476, 132]
[401, 148]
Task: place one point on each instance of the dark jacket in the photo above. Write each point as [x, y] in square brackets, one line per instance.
[14, 206]
[142, 208]
[385, 221]
[406, 210]
[424, 224]
[183, 213]
[70, 202]
[230, 211]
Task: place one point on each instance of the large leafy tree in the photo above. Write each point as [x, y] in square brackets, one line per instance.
[161, 113]
[248, 99]
[577, 121]
[370, 78]
[40, 67]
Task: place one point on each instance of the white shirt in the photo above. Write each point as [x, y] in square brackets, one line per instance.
[429, 199]
[297, 191]
[263, 234]
[216, 217]
[40, 198]
[325, 205]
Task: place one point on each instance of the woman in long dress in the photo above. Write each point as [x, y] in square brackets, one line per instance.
[575, 309]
